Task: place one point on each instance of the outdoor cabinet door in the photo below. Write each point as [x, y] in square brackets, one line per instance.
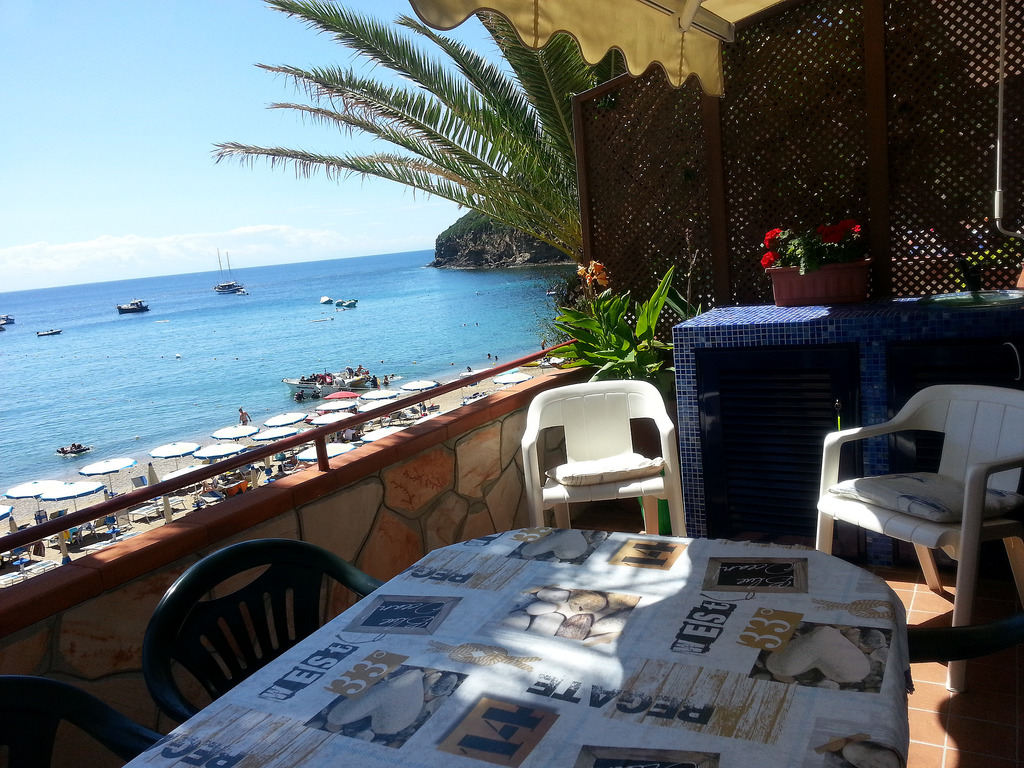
[764, 414]
[912, 366]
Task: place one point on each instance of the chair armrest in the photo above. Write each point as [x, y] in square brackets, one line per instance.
[834, 441]
[975, 485]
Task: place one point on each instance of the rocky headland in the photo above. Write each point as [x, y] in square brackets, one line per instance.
[474, 241]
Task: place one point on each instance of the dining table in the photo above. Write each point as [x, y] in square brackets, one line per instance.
[584, 649]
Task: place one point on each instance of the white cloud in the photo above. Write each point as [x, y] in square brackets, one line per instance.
[42, 264]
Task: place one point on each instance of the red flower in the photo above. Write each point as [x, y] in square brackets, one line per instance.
[831, 234]
[768, 259]
[770, 238]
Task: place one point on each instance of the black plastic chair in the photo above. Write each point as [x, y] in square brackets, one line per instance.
[223, 640]
[32, 708]
[967, 642]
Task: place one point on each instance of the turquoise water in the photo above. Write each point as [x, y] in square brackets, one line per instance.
[116, 382]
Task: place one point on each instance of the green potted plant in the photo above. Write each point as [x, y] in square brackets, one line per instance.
[605, 339]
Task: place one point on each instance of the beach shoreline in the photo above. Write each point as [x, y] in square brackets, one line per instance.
[24, 510]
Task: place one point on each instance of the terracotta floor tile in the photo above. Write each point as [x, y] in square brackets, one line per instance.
[929, 602]
[929, 672]
[991, 678]
[924, 756]
[924, 619]
[991, 739]
[956, 759]
[983, 705]
[927, 727]
[932, 697]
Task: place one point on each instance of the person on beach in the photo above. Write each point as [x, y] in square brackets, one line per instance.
[243, 417]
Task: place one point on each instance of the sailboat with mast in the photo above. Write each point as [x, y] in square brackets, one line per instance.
[229, 285]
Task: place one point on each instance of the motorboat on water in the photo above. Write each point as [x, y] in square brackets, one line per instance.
[135, 305]
[6, 319]
[51, 332]
[319, 385]
[74, 449]
[345, 303]
[326, 300]
[229, 285]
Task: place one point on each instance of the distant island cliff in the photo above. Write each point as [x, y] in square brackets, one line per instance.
[474, 241]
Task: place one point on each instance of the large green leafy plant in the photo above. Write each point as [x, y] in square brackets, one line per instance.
[605, 339]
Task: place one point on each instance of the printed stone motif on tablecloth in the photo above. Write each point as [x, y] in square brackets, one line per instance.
[828, 749]
[390, 710]
[837, 656]
[756, 574]
[403, 614]
[498, 731]
[465, 569]
[634, 757]
[583, 615]
[647, 553]
[570, 546]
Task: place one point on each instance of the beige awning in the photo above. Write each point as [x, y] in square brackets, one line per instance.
[683, 36]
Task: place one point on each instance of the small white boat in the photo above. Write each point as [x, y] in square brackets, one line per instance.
[326, 300]
[346, 303]
[6, 319]
[50, 332]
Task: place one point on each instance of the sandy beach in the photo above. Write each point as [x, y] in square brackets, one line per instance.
[24, 510]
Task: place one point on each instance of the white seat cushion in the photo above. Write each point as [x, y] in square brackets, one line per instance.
[624, 466]
[924, 495]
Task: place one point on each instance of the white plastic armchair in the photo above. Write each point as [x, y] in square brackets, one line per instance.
[596, 419]
[983, 448]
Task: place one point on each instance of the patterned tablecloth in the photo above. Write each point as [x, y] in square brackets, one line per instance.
[543, 647]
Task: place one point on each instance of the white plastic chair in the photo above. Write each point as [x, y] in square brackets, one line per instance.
[595, 417]
[983, 448]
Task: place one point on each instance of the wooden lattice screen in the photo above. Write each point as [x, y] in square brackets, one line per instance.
[821, 120]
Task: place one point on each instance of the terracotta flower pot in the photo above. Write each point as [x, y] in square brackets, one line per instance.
[830, 284]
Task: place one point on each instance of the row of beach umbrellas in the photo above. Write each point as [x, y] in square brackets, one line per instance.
[275, 428]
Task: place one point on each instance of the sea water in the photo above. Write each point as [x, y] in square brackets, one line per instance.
[128, 383]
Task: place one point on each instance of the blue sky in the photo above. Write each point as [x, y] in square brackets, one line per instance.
[109, 111]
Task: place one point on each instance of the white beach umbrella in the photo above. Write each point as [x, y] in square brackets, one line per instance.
[333, 449]
[275, 433]
[234, 432]
[511, 377]
[108, 467]
[32, 490]
[337, 405]
[284, 419]
[364, 407]
[377, 434]
[328, 418]
[72, 491]
[420, 385]
[183, 471]
[219, 451]
[380, 394]
[174, 450]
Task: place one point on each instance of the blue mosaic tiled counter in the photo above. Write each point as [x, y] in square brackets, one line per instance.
[871, 326]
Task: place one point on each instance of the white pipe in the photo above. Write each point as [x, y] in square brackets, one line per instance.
[998, 197]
